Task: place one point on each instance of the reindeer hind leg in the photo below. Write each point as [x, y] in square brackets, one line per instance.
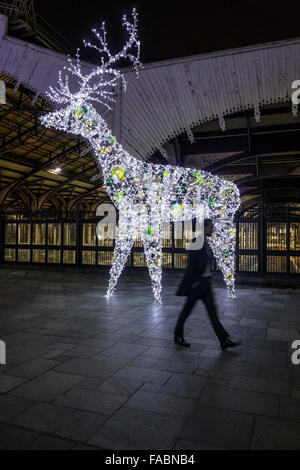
[124, 241]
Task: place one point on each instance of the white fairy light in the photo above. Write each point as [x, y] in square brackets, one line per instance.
[146, 195]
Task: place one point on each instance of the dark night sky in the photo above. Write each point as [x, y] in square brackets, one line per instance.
[177, 29]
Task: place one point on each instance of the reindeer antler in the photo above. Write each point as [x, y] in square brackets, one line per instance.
[100, 91]
[131, 28]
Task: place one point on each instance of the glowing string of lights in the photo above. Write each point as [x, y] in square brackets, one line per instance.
[146, 195]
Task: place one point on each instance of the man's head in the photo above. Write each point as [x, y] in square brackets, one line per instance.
[208, 227]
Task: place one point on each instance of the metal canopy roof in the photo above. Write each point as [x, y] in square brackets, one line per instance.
[200, 111]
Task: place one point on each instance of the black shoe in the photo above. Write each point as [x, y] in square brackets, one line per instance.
[229, 344]
[181, 341]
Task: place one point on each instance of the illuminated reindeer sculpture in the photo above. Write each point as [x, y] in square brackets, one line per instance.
[146, 195]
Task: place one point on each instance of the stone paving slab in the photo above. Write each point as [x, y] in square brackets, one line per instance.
[61, 421]
[275, 434]
[240, 400]
[217, 427]
[133, 429]
[85, 373]
[92, 400]
[14, 438]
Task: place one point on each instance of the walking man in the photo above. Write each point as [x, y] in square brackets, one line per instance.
[196, 284]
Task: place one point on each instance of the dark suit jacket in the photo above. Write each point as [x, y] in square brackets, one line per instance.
[197, 260]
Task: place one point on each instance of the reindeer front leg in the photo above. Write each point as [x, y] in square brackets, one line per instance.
[151, 234]
[125, 237]
[221, 243]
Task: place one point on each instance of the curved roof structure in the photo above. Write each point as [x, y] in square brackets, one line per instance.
[172, 97]
[218, 111]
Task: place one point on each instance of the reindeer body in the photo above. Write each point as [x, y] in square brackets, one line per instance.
[145, 194]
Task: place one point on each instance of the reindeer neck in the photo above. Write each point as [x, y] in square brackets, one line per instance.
[110, 153]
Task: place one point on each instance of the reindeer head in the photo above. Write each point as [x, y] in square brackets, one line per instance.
[97, 86]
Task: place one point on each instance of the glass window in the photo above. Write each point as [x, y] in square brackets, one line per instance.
[105, 235]
[276, 236]
[276, 264]
[88, 257]
[105, 258]
[38, 256]
[295, 264]
[10, 233]
[54, 234]
[24, 234]
[10, 255]
[38, 234]
[248, 236]
[53, 256]
[23, 255]
[295, 236]
[167, 235]
[248, 263]
[89, 234]
[167, 260]
[180, 260]
[179, 235]
[69, 234]
[69, 257]
[138, 241]
[139, 259]
[184, 234]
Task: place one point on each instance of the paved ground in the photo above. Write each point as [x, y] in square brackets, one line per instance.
[84, 371]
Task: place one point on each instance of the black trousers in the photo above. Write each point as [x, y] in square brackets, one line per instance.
[204, 293]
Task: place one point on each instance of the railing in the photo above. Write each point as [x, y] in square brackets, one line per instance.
[40, 26]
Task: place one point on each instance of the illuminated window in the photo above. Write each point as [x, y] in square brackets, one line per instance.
[89, 234]
[69, 257]
[88, 257]
[24, 234]
[38, 256]
[138, 241]
[139, 259]
[295, 236]
[54, 234]
[276, 264]
[179, 238]
[10, 233]
[167, 235]
[23, 255]
[105, 258]
[69, 234]
[276, 236]
[180, 260]
[167, 260]
[248, 263]
[248, 236]
[10, 255]
[53, 256]
[104, 236]
[295, 264]
[38, 234]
